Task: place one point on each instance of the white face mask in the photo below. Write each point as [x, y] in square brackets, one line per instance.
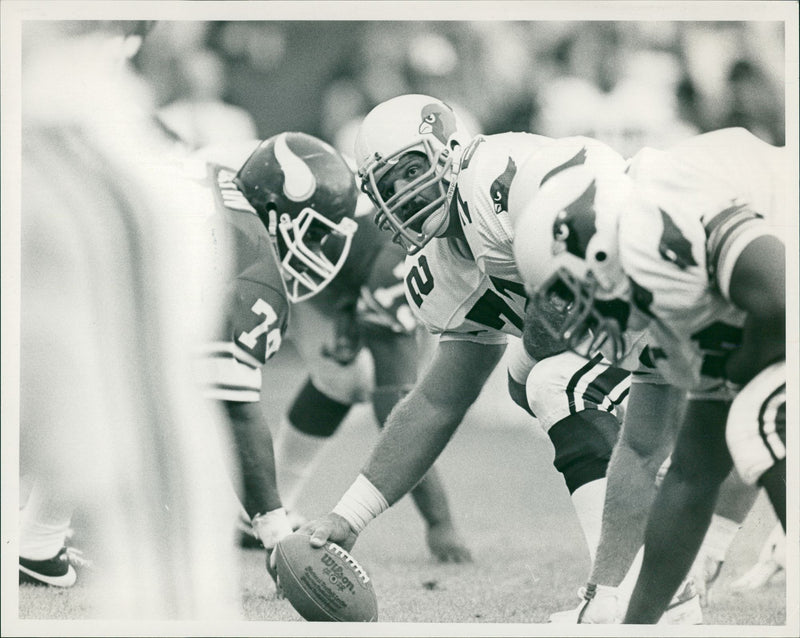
[308, 264]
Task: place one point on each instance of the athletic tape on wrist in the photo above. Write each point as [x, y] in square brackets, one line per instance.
[361, 503]
[271, 527]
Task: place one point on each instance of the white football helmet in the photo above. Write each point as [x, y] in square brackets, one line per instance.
[404, 124]
[566, 247]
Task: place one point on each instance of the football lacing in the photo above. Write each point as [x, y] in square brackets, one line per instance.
[350, 561]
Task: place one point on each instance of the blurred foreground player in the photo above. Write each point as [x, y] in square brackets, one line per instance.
[110, 419]
[685, 245]
[358, 340]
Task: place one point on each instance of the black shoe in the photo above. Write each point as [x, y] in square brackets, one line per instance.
[57, 571]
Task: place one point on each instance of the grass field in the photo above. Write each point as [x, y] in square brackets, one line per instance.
[510, 504]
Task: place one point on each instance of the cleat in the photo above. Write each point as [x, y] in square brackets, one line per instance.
[598, 607]
[57, 571]
[705, 573]
[684, 608]
[771, 561]
[757, 576]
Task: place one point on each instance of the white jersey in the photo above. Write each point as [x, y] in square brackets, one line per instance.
[702, 203]
[481, 297]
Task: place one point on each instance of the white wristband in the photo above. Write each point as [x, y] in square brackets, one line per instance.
[361, 503]
[271, 527]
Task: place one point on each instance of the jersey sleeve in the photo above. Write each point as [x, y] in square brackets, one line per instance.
[729, 233]
[252, 331]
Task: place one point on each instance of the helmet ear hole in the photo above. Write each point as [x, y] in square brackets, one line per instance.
[600, 256]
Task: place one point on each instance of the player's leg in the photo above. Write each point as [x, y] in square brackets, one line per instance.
[645, 440]
[756, 434]
[735, 501]
[682, 510]
[44, 525]
[334, 384]
[310, 421]
[572, 399]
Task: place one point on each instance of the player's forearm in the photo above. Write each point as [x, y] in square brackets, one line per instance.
[763, 343]
[256, 457]
[418, 429]
[758, 286]
[415, 434]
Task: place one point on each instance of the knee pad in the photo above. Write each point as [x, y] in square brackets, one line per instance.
[351, 383]
[756, 427]
[314, 413]
[583, 444]
[567, 383]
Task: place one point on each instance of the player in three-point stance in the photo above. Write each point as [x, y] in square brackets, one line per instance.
[686, 247]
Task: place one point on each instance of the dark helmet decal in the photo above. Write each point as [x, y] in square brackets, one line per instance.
[674, 247]
[498, 191]
[438, 121]
[576, 160]
[575, 226]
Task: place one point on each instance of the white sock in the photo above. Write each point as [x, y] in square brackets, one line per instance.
[43, 525]
[719, 537]
[296, 455]
[588, 501]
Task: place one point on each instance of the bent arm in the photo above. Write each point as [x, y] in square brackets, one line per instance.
[758, 286]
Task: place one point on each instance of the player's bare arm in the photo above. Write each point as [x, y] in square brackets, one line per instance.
[422, 424]
[415, 434]
[396, 362]
[758, 286]
[253, 441]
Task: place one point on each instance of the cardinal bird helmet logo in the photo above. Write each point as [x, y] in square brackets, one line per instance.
[439, 122]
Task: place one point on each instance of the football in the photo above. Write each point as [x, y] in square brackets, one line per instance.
[324, 583]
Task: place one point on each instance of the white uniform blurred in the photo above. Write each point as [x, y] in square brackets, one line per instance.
[707, 200]
[111, 420]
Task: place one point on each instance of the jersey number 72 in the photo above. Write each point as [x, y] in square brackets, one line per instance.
[491, 310]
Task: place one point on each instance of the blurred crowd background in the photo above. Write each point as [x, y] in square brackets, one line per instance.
[629, 84]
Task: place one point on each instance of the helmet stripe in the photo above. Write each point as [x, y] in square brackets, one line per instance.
[299, 181]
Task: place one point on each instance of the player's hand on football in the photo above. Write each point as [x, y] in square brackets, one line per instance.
[446, 545]
[330, 527]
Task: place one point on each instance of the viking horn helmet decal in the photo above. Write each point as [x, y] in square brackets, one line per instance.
[299, 181]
